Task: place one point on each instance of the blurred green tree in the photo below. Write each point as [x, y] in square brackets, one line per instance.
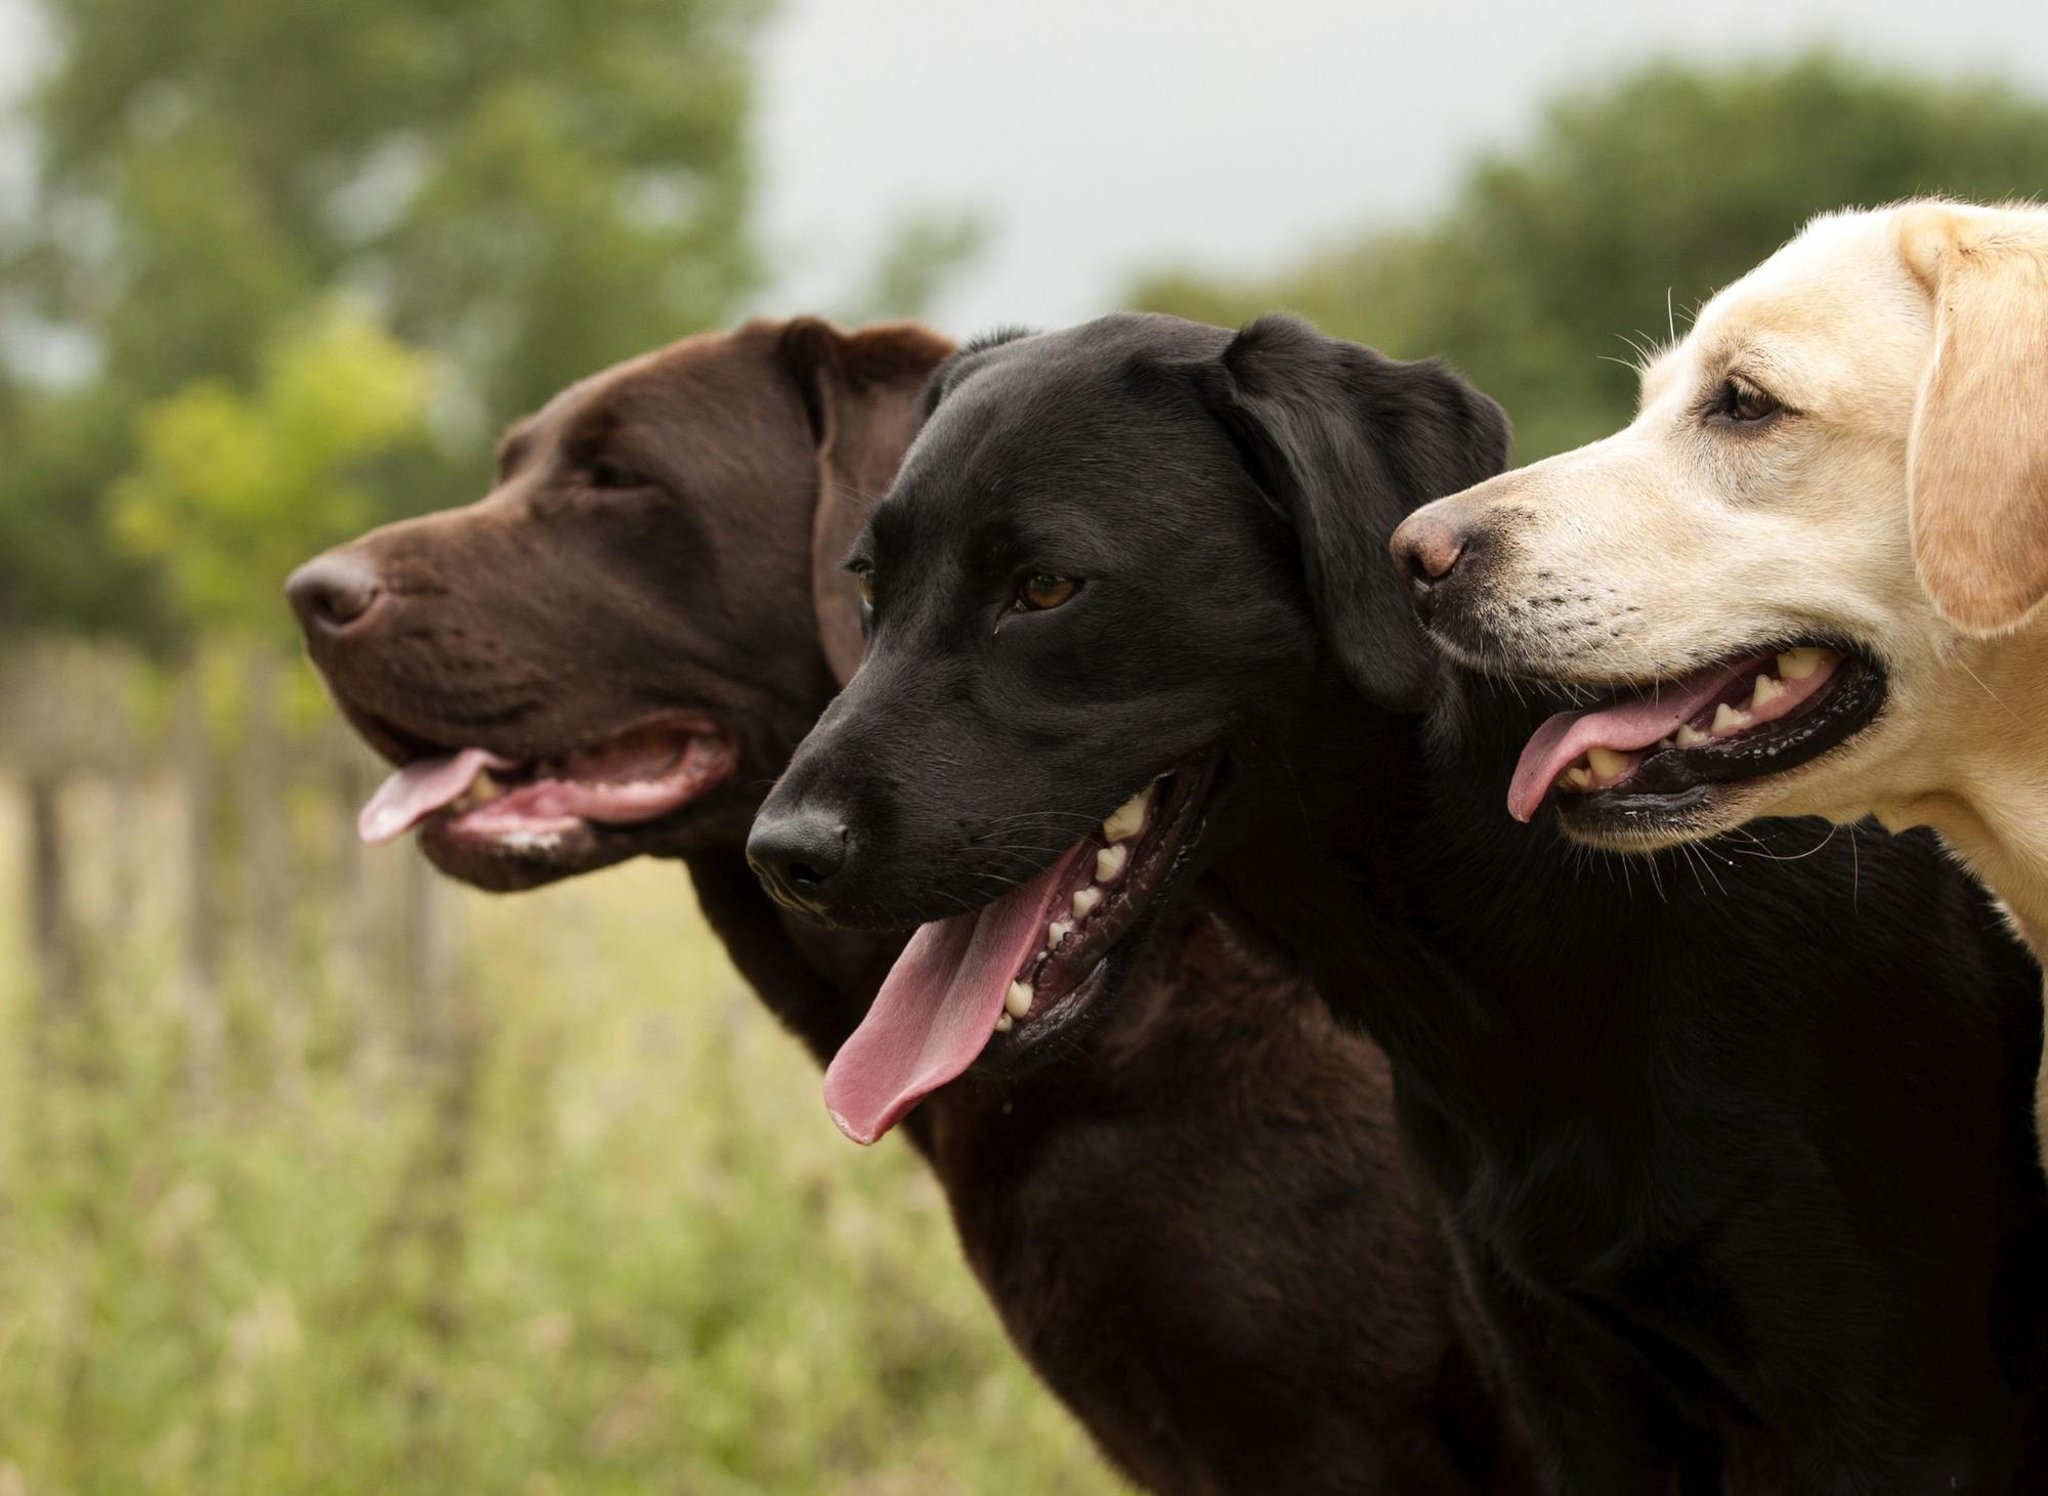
[1629, 208]
[922, 256]
[531, 188]
[230, 486]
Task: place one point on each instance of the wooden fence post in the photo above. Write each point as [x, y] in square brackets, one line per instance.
[51, 933]
[193, 772]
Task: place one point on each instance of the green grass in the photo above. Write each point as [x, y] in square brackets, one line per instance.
[608, 1242]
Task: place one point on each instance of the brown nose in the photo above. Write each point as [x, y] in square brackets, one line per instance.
[332, 591]
[1428, 546]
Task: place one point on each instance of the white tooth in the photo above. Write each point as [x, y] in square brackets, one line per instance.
[1004, 1023]
[1798, 664]
[1689, 736]
[1606, 763]
[1085, 900]
[1727, 719]
[1017, 1001]
[1128, 819]
[485, 788]
[1056, 932]
[1578, 777]
[1767, 690]
[1109, 863]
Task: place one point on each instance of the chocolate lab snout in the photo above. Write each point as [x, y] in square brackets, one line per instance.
[333, 591]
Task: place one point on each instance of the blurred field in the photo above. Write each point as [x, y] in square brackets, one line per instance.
[566, 1216]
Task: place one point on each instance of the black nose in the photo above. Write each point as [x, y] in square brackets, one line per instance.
[798, 852]
[332, 591]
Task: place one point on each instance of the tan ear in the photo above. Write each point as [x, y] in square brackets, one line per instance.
[864, 393]
[1977, 456]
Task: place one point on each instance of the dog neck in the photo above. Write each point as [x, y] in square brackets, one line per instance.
[1325, 876]
[1980, 775]
[1462, 941]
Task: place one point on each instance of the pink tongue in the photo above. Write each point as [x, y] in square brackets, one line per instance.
[1564, 739]
[418, 790]
[938, 1007]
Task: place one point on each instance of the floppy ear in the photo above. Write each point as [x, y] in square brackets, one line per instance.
[1977, 456]
[1344, 442]
[862, 392]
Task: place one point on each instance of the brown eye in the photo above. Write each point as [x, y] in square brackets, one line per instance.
[1040, 592]
[865, 580]
[1744, 404]
[604, 474]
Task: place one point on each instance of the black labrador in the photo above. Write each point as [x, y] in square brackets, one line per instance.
[1736, 1149]
[1199, 1231]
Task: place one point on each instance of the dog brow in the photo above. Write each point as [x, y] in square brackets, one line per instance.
[1754, 350]
[1656, 375]
[514, 446]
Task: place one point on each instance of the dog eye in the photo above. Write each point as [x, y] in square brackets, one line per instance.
[1741, 403]
[605, 474]
[864, 578]
[1041, 591]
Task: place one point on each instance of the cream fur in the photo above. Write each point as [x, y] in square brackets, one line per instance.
[1901, 503]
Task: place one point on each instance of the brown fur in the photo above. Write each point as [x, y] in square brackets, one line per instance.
[1200, 1232]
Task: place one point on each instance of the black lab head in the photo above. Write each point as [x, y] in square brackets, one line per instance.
[1118, 562]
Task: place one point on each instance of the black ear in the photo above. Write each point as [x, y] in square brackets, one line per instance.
[1344, 442]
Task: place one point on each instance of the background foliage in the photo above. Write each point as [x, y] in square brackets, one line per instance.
[531, 189]
[316, 1174]
[1557, 261]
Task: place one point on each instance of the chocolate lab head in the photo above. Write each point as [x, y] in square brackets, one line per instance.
[1118, 563]
[615, 650]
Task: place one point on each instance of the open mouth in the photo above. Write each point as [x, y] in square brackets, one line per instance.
[1007, 977]
[1653, 752]
[474, 798]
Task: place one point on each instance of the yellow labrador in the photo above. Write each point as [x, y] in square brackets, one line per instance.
[1807, 578]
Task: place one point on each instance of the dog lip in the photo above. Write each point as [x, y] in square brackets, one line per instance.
[501, 850]
[1081, 970]
[399, 741]
[394, 744]
[1682, 787]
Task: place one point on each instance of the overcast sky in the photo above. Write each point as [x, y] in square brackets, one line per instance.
[1101, 136]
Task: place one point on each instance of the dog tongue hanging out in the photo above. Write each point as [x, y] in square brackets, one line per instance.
[946, 994]
[998, 981]
[651, 770]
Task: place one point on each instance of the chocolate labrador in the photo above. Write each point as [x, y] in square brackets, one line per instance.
[1197, 1229]
[1737, 1151]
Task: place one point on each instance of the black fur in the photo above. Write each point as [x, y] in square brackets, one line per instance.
[1201, 1234]
[1735, 1144]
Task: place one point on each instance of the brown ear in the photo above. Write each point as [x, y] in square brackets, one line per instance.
[1977, 456]
[862, 391]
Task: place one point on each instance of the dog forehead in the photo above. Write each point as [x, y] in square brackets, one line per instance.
[1810, 321]
[594, 391]
[715, 375]
[1051, 431]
